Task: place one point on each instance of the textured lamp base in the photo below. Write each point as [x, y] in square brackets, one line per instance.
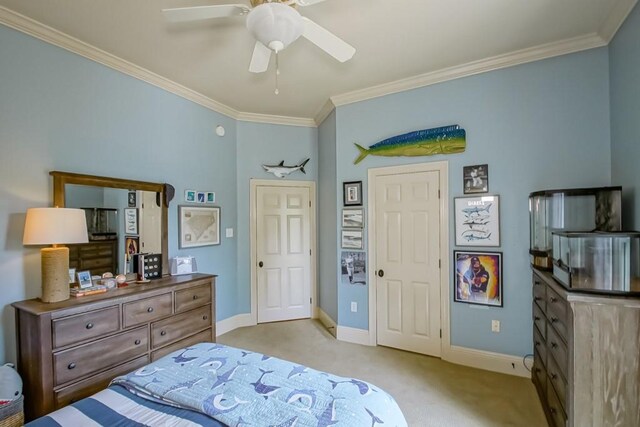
[55, 274]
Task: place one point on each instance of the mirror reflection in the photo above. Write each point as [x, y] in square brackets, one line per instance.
[120, 223]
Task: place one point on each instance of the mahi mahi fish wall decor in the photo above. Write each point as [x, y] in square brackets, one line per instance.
[427, 142]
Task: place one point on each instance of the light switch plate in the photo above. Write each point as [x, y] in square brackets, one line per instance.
[229, 232]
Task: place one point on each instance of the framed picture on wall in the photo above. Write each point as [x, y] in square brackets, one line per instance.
[131, 221]
[477, 221]
[353, 218]
[478, 278]
[352, 193]
[352, 239]
[476, 179]
[353, 268]
[198, 226]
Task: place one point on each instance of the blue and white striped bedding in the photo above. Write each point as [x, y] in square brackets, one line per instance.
[116, 407]
[216, 385]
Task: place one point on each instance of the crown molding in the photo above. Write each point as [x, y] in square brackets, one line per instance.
[616, 18]
[523, 56]
[276, 120]
[324, 112]
[57, 38]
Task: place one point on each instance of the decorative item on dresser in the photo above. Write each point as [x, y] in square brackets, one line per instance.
[71, 349]
[586, 355]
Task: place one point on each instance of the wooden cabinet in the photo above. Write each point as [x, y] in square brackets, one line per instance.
[71, 349]
[586, 355]
[98, 256]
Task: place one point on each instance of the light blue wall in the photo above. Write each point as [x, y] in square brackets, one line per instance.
[59, 111]
[539, 125]
[624, 55]
[260, 144]
[327, 220]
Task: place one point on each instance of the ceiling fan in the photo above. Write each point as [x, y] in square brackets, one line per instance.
[274, 23]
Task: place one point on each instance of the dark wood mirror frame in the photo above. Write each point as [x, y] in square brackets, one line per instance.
[60, 179]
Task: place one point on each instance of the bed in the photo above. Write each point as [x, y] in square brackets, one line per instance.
[212, 384]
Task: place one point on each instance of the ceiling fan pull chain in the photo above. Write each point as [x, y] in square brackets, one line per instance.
[277, 73]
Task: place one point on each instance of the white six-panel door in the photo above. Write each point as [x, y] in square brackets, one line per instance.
[283, 245]
[407, 253]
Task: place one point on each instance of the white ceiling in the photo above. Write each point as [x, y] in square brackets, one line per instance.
[395, 40]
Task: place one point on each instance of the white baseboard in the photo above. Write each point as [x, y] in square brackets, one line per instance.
[496, 362]
[326, 321]
[234, 322]
[353, 335]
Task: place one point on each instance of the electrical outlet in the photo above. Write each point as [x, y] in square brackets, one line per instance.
[354, 307]
[495, 326]
[229, 232]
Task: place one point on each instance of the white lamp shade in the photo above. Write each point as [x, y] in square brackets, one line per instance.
[52, 226]
[275, 25]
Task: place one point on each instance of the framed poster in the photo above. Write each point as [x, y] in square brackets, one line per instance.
[131, 221]
[351, 239]
[477, 221]
[476, 179]
[352, 193]
[131, 199]
[198, 226]
[478, 278]
[353, 269]
[353, 218]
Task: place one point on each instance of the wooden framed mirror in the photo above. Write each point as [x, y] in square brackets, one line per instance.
[109, 202]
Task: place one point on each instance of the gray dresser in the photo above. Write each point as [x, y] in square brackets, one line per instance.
[71, 349]
[586, 356]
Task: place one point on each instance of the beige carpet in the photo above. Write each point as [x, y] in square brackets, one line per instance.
[429, 391]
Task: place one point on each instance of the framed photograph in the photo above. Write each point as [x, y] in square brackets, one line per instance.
[131, 246]
[198, 226]
[476, 179]
[211, 197]
[353, 218]
[353, 268]
[131, 221]
[352, 193]
[190, 196]
[131, 199]
[477, 221]
[478, 278]
[84, 279]
[352, 239]
[201, 197]
[72, 275]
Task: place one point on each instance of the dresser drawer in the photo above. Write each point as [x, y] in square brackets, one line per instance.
[539, 344]
[73, 329]
[558, 350]
[93, 357]
[557, 313]
[82, 389]
[96, 262]
[539, 320]
[181, 325]
[204, 336]
[539, 371]
[197, 296]
[557, 413]
[539, 292]
[96, 251]
[557, 381]
[146, 310]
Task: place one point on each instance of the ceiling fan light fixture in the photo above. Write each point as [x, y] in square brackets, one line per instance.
[275, 25]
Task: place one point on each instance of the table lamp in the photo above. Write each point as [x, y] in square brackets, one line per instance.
[55, 226]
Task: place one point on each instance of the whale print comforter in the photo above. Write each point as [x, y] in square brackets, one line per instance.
[243, 388]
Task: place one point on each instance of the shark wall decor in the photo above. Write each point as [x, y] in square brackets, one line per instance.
[282, 171]
[427, 142]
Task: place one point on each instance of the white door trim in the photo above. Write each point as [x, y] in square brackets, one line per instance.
[443, 168]
[253, 226]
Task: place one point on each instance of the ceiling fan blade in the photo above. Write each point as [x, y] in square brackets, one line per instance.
[260, 59]
[183, 14]
[325, 40]
[308, 2]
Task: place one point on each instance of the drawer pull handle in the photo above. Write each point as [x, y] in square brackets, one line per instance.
[89, 325]
[71, 365]
[163, 333]
[150, 310]
[554, 319]
[205, 317]
[553, 299]
[195, 297]
[552, 410]
[536, 318]
[554, 345]
[554, 377]
[537, 298]
[538, 370]
[537, 343]
[137, 342]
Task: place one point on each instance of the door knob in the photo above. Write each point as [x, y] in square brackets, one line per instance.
[381, 273]
[260, 264]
